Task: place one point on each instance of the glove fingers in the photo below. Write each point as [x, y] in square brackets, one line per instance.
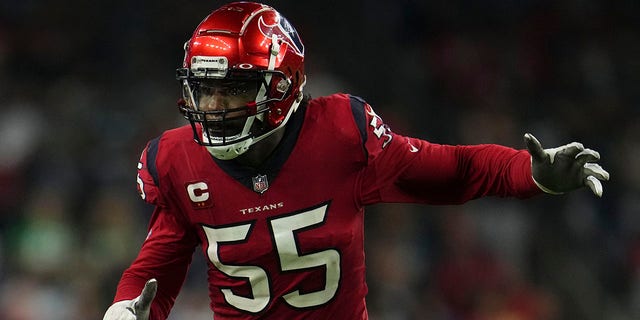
[595, 170]
[568, 150]
[143, 302]
[534, 147]
[587, 155]
[572, 149]
[594, 184]
[565, 168]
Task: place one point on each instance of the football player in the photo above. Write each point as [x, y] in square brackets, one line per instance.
[272, 184]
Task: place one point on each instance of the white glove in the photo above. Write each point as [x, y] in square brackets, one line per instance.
[565, 168]
[136, 309]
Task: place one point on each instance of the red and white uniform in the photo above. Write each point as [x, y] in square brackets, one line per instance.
[295, 251]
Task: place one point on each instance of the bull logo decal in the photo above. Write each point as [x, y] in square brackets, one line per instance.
[284, 31]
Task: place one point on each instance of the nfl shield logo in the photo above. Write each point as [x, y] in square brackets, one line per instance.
[260, 183]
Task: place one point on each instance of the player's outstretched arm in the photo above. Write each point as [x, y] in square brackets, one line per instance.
[565, 168]
[135, 309]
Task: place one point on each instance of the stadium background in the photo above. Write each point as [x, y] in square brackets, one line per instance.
[84, 84]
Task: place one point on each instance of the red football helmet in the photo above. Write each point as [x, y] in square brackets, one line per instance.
[242, 42]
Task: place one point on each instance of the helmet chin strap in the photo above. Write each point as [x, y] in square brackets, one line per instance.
[231, 151]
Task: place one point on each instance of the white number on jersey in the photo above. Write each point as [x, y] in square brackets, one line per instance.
[283, 231]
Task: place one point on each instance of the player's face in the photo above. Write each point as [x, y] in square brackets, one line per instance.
[217, 95]
[222, 95]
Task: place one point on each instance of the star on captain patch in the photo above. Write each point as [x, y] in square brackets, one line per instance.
[260, 183]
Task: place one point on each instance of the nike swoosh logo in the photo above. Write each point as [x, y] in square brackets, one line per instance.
[413, 148]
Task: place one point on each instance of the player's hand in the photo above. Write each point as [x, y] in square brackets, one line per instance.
[565, 168]
[136, 309]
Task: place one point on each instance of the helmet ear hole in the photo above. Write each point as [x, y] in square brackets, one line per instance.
[282, 86]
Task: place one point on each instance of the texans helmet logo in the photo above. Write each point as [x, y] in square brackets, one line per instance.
[284, 31]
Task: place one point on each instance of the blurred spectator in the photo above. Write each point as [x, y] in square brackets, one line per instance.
[21, 127]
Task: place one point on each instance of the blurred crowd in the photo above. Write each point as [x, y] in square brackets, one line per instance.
[84, 85]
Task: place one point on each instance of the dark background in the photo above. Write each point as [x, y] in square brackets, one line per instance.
[84, 85]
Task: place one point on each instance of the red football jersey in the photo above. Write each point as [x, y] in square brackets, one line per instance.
[285, 241]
